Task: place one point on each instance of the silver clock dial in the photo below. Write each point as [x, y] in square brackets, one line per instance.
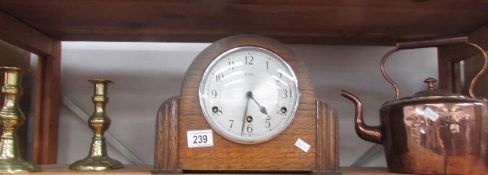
[249, 94]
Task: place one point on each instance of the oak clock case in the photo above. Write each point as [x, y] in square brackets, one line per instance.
[254, 98]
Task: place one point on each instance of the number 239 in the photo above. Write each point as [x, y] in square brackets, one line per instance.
[200, 139]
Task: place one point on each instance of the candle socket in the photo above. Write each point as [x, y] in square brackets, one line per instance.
[11, 118]
[98, 159]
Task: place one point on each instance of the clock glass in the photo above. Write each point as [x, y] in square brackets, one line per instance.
[249, 94]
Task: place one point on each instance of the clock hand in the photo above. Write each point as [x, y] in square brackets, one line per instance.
[261, 108]
[248, 95]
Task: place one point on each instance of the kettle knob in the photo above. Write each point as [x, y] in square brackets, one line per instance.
[430, 83]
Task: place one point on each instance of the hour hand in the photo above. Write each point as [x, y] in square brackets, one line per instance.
[262, 109]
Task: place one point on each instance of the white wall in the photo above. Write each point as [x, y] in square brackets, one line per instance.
[145, 74]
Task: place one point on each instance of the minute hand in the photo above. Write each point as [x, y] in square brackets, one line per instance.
[248, 96]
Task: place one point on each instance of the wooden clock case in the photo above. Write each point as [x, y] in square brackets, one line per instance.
[314, 122]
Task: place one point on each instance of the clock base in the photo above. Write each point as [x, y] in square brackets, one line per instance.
[328, 173]
[175, 172]
[161, 171]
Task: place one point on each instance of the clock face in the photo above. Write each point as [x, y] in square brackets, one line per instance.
[249, 94]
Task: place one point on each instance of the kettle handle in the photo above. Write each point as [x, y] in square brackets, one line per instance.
[434, 43]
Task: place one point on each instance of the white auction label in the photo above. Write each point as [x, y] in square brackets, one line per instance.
[304, 146]
[199, 138]
[429, 113]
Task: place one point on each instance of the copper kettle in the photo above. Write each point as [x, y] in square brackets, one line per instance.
[433, 131]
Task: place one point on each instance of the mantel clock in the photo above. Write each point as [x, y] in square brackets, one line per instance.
[246, 104]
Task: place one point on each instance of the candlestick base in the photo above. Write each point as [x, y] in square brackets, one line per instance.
[96, 164]
[17, 166]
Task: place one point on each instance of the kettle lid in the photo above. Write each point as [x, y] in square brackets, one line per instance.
[431, 90]
[431, 94]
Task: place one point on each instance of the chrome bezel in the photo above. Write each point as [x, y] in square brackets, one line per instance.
[216, 127]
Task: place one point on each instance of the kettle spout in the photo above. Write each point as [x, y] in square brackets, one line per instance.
[368, 133]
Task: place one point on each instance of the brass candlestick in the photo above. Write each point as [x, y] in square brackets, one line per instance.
[11, 118]
[99, 122]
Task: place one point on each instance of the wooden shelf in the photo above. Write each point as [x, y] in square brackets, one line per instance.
[366, 22]
[145, 170]
[40, 26]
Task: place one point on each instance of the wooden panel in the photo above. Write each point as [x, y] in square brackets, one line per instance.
[328, 144]
[166, 144]
[471, 67]
[474, 61]
[473, 64]
[47, 106]
[278, 154]
[24, 36]
[445, 72]
[480, 36]
[457, 53]
[306, 21]
[450, 56]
